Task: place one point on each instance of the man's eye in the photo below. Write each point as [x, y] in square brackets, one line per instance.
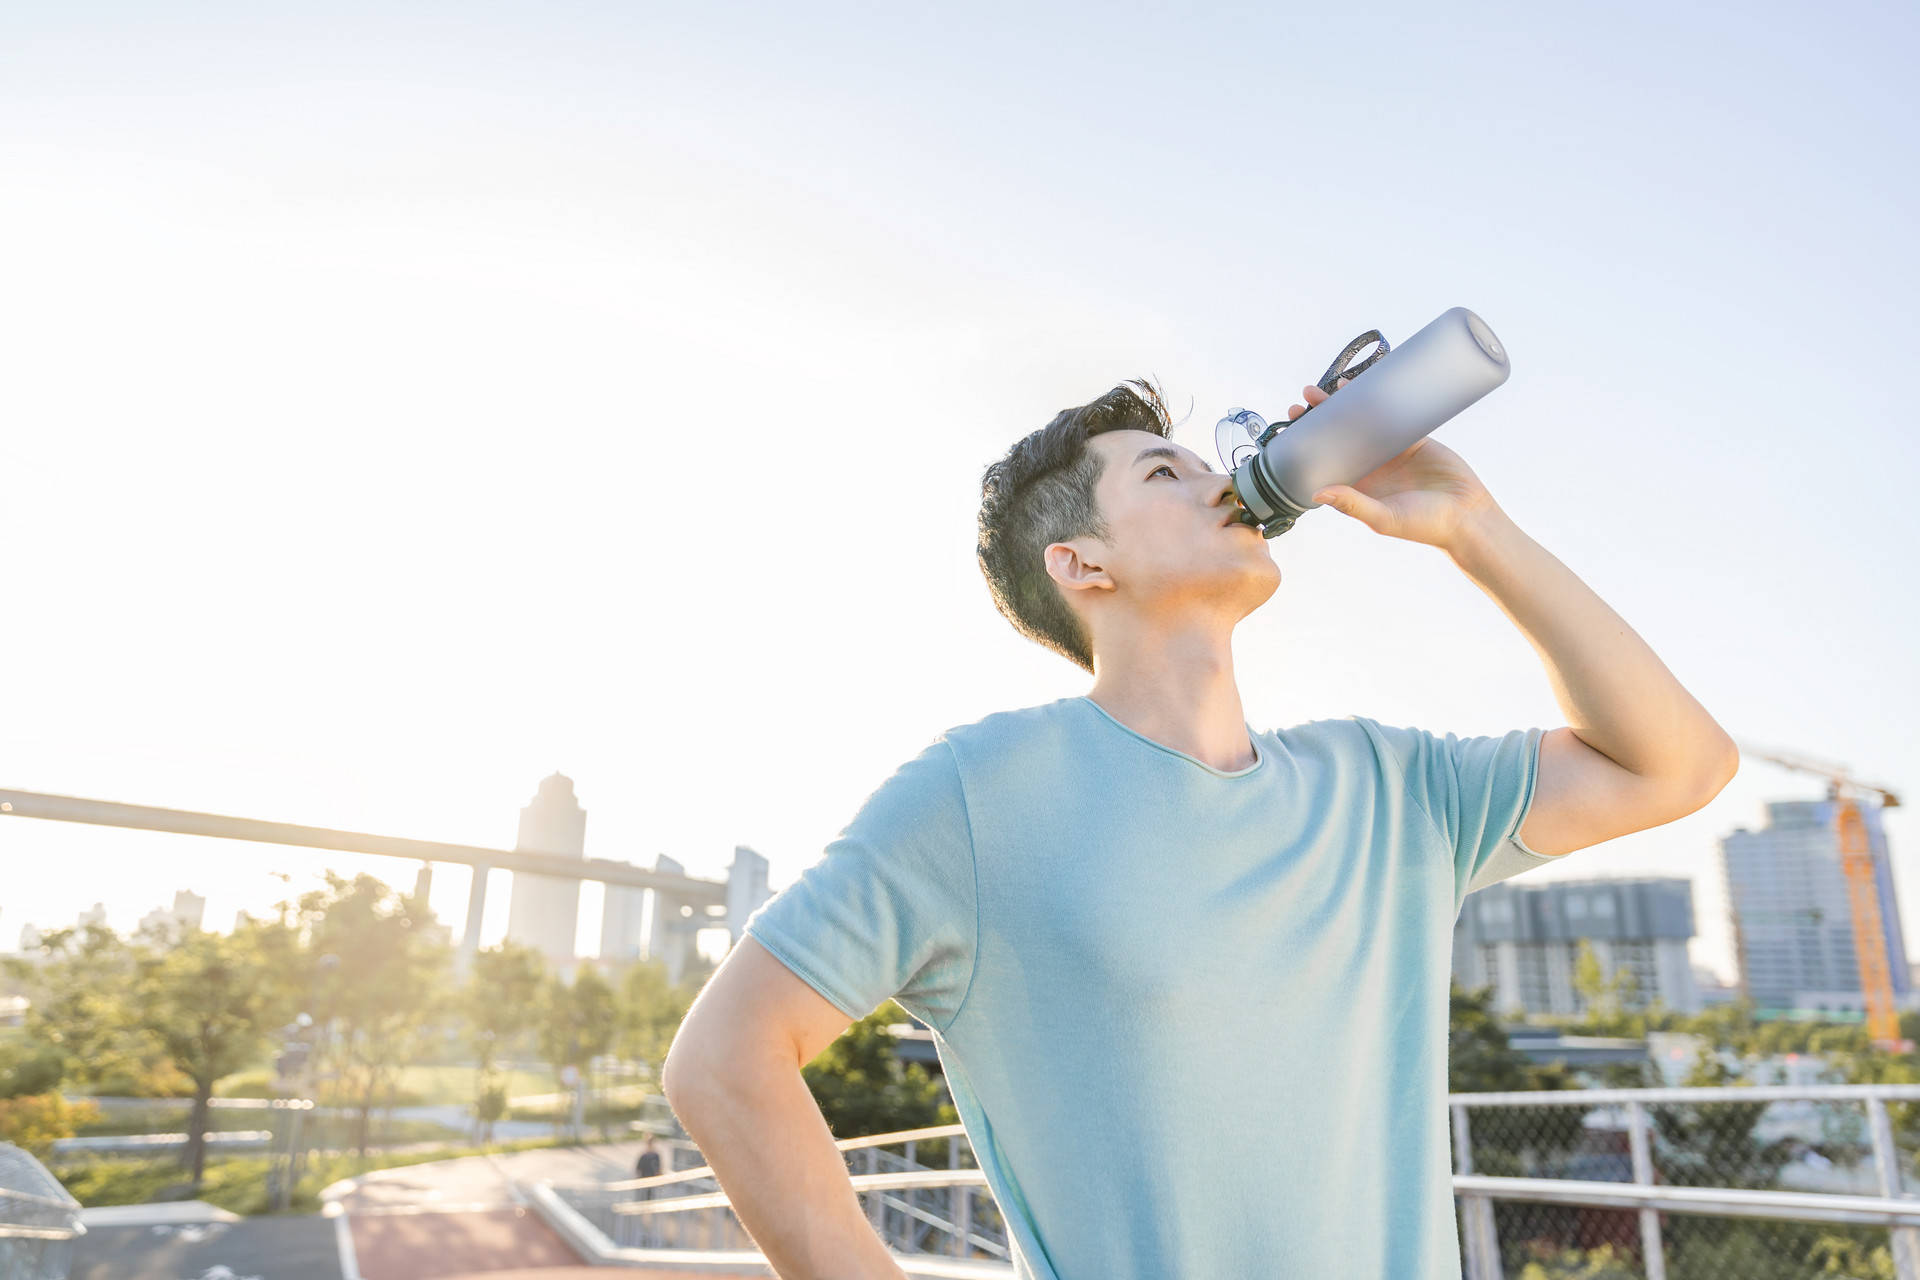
[1164, 467]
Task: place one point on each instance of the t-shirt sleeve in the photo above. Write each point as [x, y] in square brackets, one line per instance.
[1477, 792]
[889, 908]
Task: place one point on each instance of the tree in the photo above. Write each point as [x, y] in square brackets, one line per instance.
[1607, 999]
[862, 1087]
[28, 1067]
[650, 1011]
[1480, 1058]
[502, 1001]
[378, 1001]
[578, 1024]
[82, 1023]
[1507, 1141]
[209, 1001]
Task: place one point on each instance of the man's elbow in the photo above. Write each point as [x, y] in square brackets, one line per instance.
[1729, 765]
[681, 1068]
[1714, 780]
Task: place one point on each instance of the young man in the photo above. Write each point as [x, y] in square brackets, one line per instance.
[1188, 980]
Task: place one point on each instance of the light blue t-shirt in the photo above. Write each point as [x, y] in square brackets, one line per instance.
[1194, 1022]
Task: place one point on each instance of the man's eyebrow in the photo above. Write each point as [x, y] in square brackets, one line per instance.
[1161, 451]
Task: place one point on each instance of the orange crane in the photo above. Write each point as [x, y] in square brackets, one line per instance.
[1856, 862]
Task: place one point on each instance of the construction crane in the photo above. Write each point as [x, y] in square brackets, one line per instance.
[1856, 862]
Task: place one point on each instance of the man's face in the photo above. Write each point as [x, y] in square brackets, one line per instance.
[1171, 544]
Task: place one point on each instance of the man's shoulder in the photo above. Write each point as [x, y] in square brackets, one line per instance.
[1002, 738]
[1012, 724]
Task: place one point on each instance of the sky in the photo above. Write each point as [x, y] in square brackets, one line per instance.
[406, 402]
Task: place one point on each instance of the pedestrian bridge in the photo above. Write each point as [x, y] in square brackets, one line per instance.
[1748, 1181]
[1756, 1182]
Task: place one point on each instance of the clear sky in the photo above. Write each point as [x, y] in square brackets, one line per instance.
[402, 403]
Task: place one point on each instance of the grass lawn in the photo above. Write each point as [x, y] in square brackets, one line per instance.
[238, 1183]
[418, 1086]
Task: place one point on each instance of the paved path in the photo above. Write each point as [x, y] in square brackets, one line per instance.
[436, 1245]
[441, 1221]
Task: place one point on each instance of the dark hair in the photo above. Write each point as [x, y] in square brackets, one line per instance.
[1042, 493]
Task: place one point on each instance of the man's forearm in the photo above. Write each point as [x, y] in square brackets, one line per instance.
[1613, 689]
[761, 1131]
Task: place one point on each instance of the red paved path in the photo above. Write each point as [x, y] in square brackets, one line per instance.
[439, 1246]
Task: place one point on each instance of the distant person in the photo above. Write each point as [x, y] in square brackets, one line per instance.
[648, 1165]
[1188, 980]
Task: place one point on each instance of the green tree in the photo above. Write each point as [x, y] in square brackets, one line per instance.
[862, 1087]
[209, 1001]
[1602, 1263]
[577, 1025]
[82, 1018]
[29, 1067]
[650, 1011]
[1607, 999]
[380, 998]
[1480, 1058]
[1507, 1141]
[502, 1002]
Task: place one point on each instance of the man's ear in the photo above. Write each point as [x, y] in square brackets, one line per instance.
[1073, 571]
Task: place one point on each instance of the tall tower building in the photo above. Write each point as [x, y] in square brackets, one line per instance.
[544, 911]
[1792, 919]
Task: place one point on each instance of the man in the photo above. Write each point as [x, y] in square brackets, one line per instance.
[648, 1165]
[1188, 980]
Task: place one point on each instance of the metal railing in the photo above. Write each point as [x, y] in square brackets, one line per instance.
[938, 1221]
[1733, 1183]
[38, 1219]
[1726, 1183]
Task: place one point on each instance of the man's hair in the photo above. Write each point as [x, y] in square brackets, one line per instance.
[1042, 493]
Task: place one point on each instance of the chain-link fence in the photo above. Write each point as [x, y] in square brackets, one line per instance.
[1734, 1183]
[1740, 1183]
[38, 1219]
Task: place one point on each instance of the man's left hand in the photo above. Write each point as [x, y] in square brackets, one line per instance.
[1427, 493]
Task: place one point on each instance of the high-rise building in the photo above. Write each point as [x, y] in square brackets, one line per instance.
[623, 922]
[98, 915]
[544, 912]
[746, 890]
[1792, 918]
[1523, 941]
[188, 910]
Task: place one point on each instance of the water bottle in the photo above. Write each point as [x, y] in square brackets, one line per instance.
[1393, 398]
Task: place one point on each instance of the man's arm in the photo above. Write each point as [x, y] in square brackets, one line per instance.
[733, 1078]
[1638, 749]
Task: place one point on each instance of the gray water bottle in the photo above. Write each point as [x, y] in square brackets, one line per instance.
[1395, 397]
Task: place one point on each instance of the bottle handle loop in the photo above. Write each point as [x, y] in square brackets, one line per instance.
[1335, 371]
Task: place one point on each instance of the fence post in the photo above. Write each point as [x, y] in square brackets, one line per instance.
[1886, 1163]
[957, 1241]
[876, 1203]
[1653, 1249]
[1476, 1211]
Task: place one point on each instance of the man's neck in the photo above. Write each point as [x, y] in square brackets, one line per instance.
[1176, 688]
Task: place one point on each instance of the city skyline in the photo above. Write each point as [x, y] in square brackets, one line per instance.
[449, 888]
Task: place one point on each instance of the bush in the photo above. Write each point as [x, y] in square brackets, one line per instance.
[36, 1121]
